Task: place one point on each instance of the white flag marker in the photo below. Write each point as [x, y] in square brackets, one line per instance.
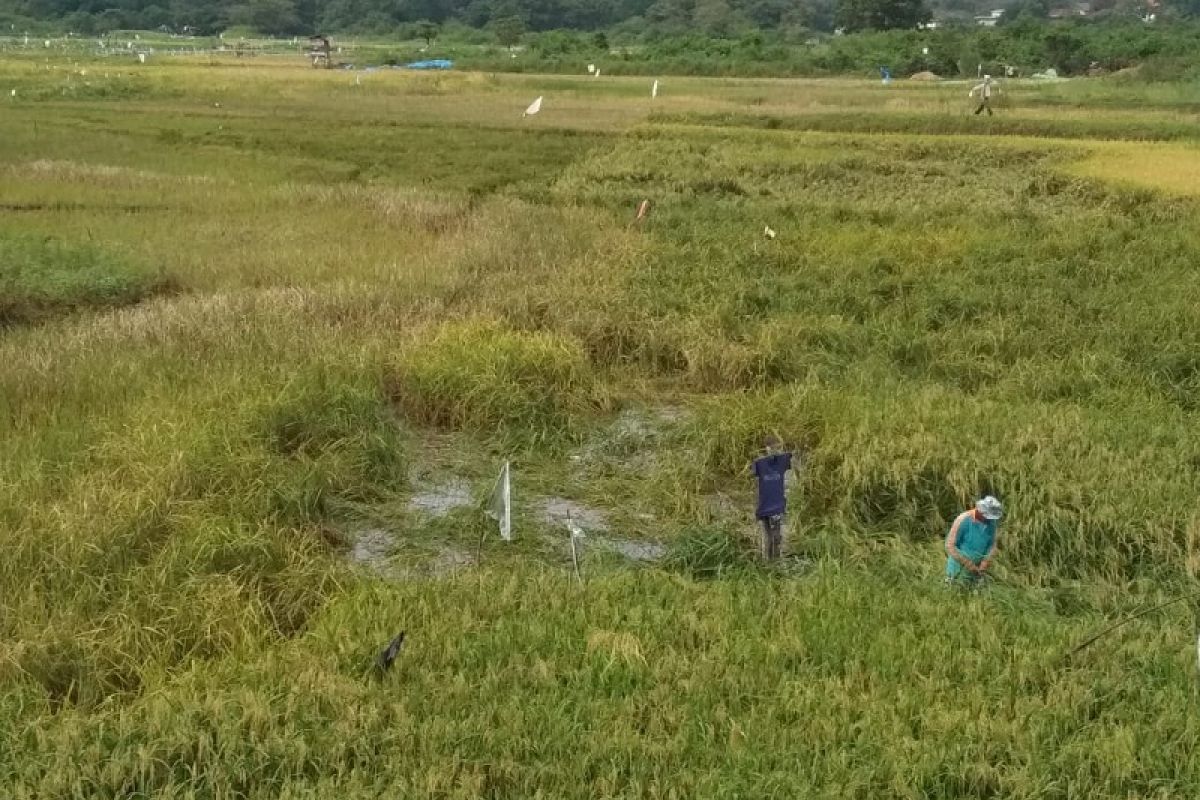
[591, 68]
[769, 232]
[500, 506]
[654, 90]
[534, 107]
[576, 534]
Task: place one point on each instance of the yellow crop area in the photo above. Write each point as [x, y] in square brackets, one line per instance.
[1173, 169]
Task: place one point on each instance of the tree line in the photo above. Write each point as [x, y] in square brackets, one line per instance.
[691, 36]
[661, 18]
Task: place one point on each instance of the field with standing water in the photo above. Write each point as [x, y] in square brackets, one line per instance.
[268, 333]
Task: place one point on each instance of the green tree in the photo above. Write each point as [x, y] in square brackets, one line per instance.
[713, 17]
[881, 15]
[268, 16]
[1026, 11]
[110, 19]
[1066, 51]
[154, 17]
[815, 15]
[426, 30]
[508, 30]
[671, 16]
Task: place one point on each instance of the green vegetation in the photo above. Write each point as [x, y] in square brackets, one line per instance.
[719, 18]
[663, 37]
[40, 277]
[381, 288]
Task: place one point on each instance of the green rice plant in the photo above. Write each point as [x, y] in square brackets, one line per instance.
[478, 376]
[41, 278]
[709, 554]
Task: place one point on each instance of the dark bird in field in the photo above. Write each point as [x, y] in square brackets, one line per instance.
[384, 661]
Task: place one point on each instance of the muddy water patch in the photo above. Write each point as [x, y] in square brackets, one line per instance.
[557, 511]
[371, 549]
[440, 499]
[374, 550]
[633, 440]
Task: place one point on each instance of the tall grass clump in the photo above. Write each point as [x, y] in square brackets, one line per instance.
[709, 554]
[476, 375]
[195, 520]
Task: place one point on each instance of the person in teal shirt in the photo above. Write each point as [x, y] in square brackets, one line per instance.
[971, 542]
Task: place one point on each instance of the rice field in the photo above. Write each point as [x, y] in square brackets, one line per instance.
[267, 335]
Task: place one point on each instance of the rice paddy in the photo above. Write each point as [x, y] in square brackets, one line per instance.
[268, 333]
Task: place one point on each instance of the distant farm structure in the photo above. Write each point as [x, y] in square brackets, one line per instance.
[319, 51]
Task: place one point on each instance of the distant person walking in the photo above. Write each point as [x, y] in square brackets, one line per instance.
[984, 90]
[769, 470]
[971, 542]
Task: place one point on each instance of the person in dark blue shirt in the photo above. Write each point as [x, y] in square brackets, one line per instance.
[769, 470]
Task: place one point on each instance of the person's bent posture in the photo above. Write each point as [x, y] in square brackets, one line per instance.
[972, 540]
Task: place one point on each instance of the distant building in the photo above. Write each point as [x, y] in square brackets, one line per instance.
[1072, 11]
[990, 19]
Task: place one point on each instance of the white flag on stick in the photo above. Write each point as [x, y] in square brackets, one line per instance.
[576, 534]
[500, 506]
[534, 107]
[654, 90]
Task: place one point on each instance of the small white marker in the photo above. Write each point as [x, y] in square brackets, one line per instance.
[770, 233]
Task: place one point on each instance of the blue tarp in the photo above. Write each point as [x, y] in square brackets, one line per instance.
[437, 63]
